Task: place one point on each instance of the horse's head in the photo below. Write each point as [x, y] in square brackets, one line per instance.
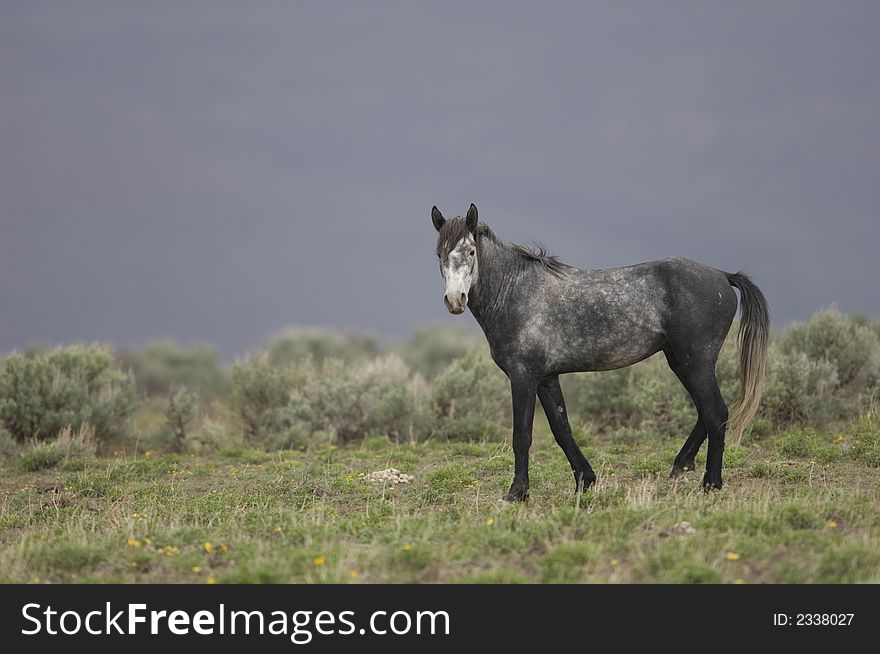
[457, 252]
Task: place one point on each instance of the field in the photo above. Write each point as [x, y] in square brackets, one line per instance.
[800, 507]
[164, 465]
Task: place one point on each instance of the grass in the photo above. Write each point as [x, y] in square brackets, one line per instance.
[804, 507]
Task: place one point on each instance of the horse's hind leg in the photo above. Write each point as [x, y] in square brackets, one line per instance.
[698, 377]
[713, 413]
[550, 394]
[684, 461]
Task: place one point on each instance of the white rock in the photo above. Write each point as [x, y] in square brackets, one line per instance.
[392, 475]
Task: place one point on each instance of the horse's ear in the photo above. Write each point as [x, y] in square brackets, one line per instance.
[437, 218]
[471, 219]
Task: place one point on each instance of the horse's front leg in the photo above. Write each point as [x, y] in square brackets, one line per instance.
[523, 389]
[550, 395]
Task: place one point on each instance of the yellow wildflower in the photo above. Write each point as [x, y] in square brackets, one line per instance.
[208, 547]
[490, 522]
[731, 556]
[407, 547]
[133, 542]
[319, 560]
[196, 569]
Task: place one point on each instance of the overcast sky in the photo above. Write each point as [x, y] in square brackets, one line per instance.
[215, 171]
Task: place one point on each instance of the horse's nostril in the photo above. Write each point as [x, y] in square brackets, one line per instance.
[464, 298]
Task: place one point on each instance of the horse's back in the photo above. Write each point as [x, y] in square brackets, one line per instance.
[618, 316]
[663, 285]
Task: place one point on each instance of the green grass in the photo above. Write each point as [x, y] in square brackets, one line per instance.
[40, 457]
[802, 507]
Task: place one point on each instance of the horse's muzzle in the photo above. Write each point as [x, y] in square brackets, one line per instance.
[456, 307]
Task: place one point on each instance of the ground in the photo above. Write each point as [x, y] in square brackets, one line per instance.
[786, 514]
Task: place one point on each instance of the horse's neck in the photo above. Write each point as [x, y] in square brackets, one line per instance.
[501, 271]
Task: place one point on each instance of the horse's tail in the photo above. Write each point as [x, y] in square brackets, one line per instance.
[754, 338]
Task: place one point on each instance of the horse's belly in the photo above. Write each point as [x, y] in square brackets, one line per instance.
[595, 352]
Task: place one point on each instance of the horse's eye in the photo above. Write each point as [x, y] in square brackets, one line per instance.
[472, 253]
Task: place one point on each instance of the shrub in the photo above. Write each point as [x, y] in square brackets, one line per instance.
[335, 400]
[293, 405]
[353, 402]
[433, 347]
[296, 344]
[179, 413]
[605, 400]
[72, 386]
[396, 402]
[851, 346]
[259, 393]
[799, 390]
[471, 400]
[8, 446]
[869, 400]
[164, 365]
[211, 436]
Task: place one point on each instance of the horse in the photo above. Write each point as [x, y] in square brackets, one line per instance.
[543, 318]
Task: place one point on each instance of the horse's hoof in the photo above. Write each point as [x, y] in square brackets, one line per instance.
[582, 486]
[512, 497]
[711, 484]
[679, 470]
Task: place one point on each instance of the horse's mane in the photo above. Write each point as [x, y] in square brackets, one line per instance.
[549, 262]
[455, 229]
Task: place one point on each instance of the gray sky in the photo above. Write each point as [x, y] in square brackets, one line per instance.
[217, 171]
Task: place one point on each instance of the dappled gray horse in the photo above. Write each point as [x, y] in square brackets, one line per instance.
[543, 318]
